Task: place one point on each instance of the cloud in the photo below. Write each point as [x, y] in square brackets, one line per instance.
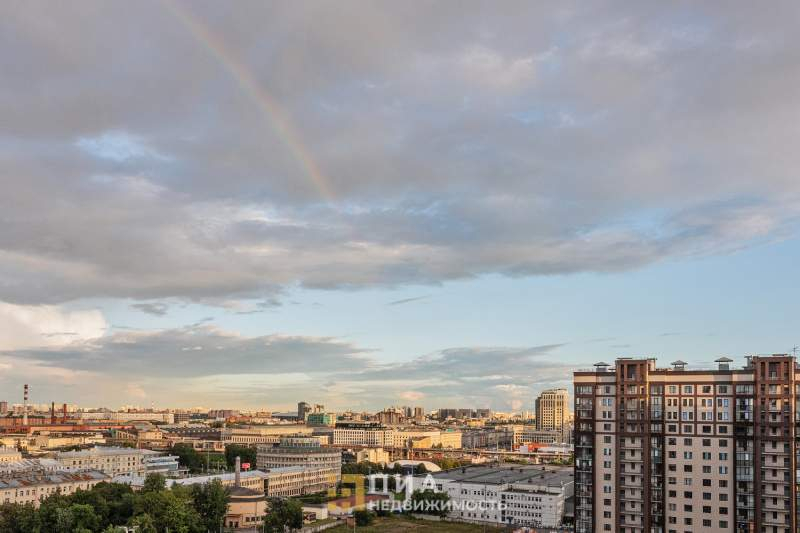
[200, 350]
[152, 308]
[202, 364]
[534, 141]
[412, 395]
[45, 325]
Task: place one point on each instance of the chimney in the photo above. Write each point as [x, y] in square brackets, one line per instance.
[25, 405]
[52, 412]
[64, 412]
[238, 481]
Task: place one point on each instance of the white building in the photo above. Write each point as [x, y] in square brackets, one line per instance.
[110, 460]
[124, 416]
[368, 435]
[299, 480]
[523, 496]
[253, 479]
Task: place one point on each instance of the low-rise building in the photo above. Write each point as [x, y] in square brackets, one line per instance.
[514, 495]
[369, 455]
[262, 434]
[49, 441]
[31, 487]
[247, 509]
[299, 451]
[298, 480]
[127, 416]
[9, 454]
[542, 436]
[32, 465]
[110, 460]
[368, 434]
[321, 419]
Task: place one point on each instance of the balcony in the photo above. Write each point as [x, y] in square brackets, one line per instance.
[779, 507]
[779, 521]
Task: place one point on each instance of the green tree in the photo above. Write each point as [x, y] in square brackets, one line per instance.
[84, 517]
[15, 518]
[154, 483]
[54, 515]
[363, 517]
[247, 454]
[118, 498]
[188, 456]
[430, 502]
[211, 502]
[143, 523]
[284, 514]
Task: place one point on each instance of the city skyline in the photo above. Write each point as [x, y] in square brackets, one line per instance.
[376, 204]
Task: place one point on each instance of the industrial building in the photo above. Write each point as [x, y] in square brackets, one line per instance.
[504, 494]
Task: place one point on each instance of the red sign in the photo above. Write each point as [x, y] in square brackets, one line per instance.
[246, 466]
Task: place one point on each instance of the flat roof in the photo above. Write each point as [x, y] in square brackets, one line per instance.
[555, 476]
[105, 450]
[54, 478]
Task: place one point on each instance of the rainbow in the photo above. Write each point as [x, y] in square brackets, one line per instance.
[268, 106]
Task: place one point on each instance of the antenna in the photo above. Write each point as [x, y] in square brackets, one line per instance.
[794, 350]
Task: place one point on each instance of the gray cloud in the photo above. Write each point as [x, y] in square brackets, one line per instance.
[142, 157]
[498, 377]
[151, 308]
[204, 365]
[199, 350]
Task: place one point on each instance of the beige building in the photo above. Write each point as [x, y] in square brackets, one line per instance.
[299, 480]
[366, 434]
[372, 455]
[31, 488]
[9, 455]
[262, 434]
[247, 509]
[681, 450]
[552, 411]
[111, 460]
[300, 451]
[50, 441]
[253, 479]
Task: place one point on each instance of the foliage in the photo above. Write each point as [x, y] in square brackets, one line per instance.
[188, 456]
[363, 517]
[447, 463]
[365, 468]
[435, 503]
[154, 483]
[108, 506]
[211, 501]
[284, 514]
[247, 454]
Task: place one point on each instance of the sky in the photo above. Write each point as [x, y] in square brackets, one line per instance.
[368, 203]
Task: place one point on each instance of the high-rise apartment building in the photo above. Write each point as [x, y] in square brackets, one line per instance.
[675, 450]
[552, 411]
[303, 409]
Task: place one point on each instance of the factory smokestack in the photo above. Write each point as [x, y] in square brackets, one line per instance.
[25, 405]
[238, 479]
[52, 412]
